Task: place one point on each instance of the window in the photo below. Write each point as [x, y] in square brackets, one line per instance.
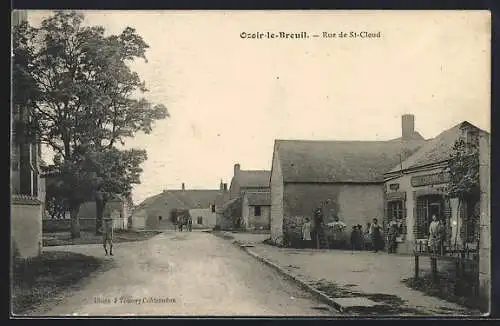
[395, 214]
[256, 211]
[395, 210]
[213, 208]
[470, 222]
[199, 220]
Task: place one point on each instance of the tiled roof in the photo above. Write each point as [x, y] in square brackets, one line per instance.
[341, 161]
[254, 178]
[259, 198]
[435, 150]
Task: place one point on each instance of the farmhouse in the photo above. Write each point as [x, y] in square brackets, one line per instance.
[158, 209]
[416, 189]
[343, 178]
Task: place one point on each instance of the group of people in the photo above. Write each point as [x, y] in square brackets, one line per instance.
[371, 238]
[187, 222]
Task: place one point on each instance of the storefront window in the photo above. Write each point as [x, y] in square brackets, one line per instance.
[396, 214]
[427, 206]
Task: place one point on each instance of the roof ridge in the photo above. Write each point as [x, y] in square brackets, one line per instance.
[389, 141]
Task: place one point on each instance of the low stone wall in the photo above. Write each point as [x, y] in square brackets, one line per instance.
[26, 226]
[53, 225]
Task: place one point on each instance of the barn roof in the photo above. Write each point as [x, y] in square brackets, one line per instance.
[312, 161]
[254, 178]
[435, 150]
[182, 199]
[259, 198]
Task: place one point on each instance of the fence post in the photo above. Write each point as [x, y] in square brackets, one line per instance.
[434, 269]
[417, 267]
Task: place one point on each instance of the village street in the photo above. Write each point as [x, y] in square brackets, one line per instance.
[190, 273]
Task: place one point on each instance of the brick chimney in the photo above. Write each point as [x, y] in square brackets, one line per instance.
[236, 169]
[183, 186]
[407, 126]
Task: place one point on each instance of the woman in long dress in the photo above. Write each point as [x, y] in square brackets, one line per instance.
[306, 233]
[376, 235]
[434, 234]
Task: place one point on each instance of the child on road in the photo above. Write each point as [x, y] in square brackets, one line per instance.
[107, 235]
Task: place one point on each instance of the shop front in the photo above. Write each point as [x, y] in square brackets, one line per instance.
[412, 199]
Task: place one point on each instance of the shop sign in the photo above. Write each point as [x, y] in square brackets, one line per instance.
[394, 186]
[430, 179]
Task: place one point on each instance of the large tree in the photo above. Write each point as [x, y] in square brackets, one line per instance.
[84, 100]
[463, 184]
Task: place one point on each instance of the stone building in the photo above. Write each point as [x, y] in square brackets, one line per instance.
[27, 184]
[344, 178]
[416, 189]
[200, 203]
[256, 210]
[236, 208]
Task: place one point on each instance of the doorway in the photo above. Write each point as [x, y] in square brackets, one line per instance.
[427, 206]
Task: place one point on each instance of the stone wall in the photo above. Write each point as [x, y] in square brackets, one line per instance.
[26, 226]
[276, 215]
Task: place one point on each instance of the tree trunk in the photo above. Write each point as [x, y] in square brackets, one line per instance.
[100, 204]
[75, 222]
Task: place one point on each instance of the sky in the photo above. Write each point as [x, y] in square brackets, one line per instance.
[229, 98]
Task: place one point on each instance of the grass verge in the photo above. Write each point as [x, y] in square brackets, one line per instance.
[447, 288]
[46, 277]
[64, 238]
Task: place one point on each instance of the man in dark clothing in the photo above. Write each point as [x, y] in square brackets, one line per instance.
[355, 238]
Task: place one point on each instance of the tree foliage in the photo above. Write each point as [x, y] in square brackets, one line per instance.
[463, 168]
[84, 100]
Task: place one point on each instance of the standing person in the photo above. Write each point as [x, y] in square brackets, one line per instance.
[360, 237]
[355, 238]
[107, 235]
[367, 237]
[392, 235]
[190, 223]
[338, 233]
[434, 234]
[376, 235]
[306, 233]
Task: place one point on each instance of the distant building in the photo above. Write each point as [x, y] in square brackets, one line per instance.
[343, 178]
[256, 210]
[158, 209]
[238, 211]
[27, 185]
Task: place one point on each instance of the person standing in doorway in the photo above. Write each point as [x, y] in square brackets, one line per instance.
[306, 233]
[434, 234]
[376, 236]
